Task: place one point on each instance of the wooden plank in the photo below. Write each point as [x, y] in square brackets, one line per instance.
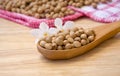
[19, 56]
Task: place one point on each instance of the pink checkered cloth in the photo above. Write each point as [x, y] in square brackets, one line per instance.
[109, 12]
[31, 21]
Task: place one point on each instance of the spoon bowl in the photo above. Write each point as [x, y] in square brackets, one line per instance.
[102, 33]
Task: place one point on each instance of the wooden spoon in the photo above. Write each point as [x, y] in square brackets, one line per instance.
[103, 33]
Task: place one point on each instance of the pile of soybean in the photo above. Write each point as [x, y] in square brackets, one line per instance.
[46, 8]
[73, 38]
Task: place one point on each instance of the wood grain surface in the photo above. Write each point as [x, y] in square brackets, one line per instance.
[19, 56]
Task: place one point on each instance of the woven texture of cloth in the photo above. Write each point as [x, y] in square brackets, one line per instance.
[109, 12]
[33, 22]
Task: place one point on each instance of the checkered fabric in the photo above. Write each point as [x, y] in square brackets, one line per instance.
[109, 12]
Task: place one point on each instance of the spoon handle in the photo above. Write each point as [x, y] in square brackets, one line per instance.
[105, 32]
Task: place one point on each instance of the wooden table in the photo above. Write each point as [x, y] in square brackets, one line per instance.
[19, 56]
